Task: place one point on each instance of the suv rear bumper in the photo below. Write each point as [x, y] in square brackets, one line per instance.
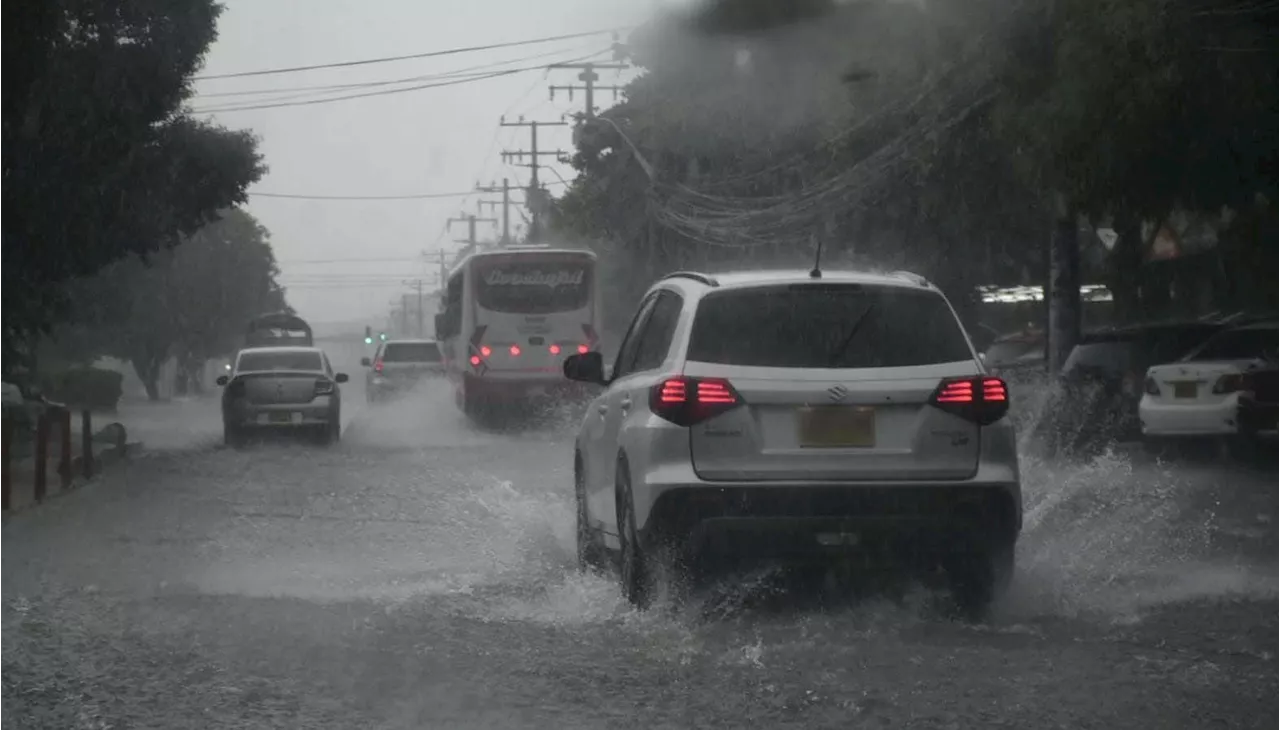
[807, 520]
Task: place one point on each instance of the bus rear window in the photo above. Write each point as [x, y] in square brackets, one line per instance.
[533, 287]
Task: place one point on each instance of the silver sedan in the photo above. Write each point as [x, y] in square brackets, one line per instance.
[281, 388]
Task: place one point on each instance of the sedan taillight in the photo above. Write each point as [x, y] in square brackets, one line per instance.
[1229, 383]
[324, 386]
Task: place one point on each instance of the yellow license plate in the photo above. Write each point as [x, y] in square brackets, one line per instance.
[833, 427]
[1184, 390]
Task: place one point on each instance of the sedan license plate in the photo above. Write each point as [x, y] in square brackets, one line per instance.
[837, 427]
[1184, 390]
[284, 417]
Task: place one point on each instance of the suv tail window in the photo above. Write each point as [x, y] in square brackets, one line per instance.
[827, 326]
[411, 352]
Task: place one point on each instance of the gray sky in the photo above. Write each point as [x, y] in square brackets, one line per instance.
[428, 141]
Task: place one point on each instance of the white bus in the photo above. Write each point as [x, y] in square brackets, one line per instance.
[510, 317]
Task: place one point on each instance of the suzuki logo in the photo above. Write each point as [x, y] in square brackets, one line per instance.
[837, 393]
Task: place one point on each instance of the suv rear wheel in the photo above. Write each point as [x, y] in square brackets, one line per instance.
[979, 577]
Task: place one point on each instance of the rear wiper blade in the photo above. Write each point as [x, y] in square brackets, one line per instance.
[839, 352]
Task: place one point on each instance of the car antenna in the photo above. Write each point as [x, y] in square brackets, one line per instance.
[816, 273]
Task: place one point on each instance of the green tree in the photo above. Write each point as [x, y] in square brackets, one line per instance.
[190, 303]
[99, 160]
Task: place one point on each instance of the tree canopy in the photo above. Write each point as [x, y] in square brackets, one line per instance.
[191, 302]
[927, 135]
[100, 162]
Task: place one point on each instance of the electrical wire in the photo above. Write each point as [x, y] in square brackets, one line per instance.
[384, 92]
[454, 73]
[421, 196]
[428, 54]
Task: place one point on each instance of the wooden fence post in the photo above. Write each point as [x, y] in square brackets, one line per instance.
[64, 463]
[42, 454]
[86, 442]
[8, 427]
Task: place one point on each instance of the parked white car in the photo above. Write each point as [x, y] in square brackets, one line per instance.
[1199, 396]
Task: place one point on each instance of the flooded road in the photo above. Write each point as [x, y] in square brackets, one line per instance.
[421, 574]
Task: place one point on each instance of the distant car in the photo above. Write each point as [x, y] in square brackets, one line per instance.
[776, 415]
[1016, 353]
[1198, 396]
[1101, 382]
[282, 388]
[400, 364]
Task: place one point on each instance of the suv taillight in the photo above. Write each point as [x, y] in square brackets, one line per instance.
[685, 401]
[982, 399]
[1151, 386]
[377, 365]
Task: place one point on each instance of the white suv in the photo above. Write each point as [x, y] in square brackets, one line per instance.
[797, 415]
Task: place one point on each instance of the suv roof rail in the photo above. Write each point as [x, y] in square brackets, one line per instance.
[911, 276]
[701, 278]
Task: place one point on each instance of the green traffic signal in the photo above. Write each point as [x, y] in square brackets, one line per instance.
[382, 336]
[368, 340]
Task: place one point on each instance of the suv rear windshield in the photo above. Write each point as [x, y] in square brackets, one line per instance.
[411, 352]
[534, 287]
[254, 362]
[827, 326]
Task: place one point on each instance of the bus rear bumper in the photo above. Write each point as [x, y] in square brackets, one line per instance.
[522, 386]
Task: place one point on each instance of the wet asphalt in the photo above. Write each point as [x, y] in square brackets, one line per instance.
[420, 574]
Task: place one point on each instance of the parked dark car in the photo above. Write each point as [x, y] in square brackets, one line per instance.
[1258, 407]
[1101, 382]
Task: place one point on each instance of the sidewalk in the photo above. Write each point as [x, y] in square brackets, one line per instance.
[177, 423]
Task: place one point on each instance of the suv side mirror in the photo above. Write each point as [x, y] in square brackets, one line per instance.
[222, 380]
[587, 367]
[366, 362]
[340, 378]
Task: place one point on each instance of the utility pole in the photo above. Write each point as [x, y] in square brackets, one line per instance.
[417, 285]
[506, 206]
[535, 196]
[404, 315]
[471, 221]
[588, 77]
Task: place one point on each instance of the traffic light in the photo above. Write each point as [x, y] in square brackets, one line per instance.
[382, 336]
[368, 335]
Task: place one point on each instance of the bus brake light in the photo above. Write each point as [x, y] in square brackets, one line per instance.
[555, 349]
[515, 350]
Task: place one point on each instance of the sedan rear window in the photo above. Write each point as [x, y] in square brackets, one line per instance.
[1238, 344]
[411, 352]
[827, 326]
[256, 362]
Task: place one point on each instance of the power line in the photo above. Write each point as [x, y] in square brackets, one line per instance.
[422, 196]
[383, 92]
[388, 59]
[455, 73]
